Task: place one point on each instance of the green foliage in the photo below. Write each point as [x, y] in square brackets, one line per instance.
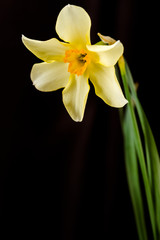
[140, 159]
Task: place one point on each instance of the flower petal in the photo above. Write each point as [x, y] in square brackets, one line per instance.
[106, 85]
[73, 26]
[107, 55]
[47, 51]
[75, 96]
[50, 76]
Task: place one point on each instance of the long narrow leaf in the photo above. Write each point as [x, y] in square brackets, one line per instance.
[133, 175]
[152, 155]
[126, 77]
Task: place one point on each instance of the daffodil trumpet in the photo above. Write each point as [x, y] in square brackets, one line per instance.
[71, 63]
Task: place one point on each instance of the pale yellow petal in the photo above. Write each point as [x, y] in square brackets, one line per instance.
[73, 26]
[106, 85]
[75, 96]
[107, 55]
[47, 51]
[50, 76]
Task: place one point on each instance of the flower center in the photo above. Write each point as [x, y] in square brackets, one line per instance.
[78, 61]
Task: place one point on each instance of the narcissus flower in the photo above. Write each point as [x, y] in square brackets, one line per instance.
[70, 64]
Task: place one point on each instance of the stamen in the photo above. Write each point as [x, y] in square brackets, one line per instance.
[78, 61]
[81, 57]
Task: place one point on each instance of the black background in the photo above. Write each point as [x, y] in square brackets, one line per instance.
[61, 179]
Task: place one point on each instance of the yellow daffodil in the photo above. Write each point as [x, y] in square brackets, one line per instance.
[70, 64]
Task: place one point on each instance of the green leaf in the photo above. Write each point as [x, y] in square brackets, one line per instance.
[152, 156]
[154, 162]
[132, 172]
[146, 171]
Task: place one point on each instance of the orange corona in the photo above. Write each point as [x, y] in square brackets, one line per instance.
[78, 61]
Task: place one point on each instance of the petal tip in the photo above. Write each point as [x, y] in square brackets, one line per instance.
[123, 103]
[77, 119]
[23, 38]
[119, 104]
